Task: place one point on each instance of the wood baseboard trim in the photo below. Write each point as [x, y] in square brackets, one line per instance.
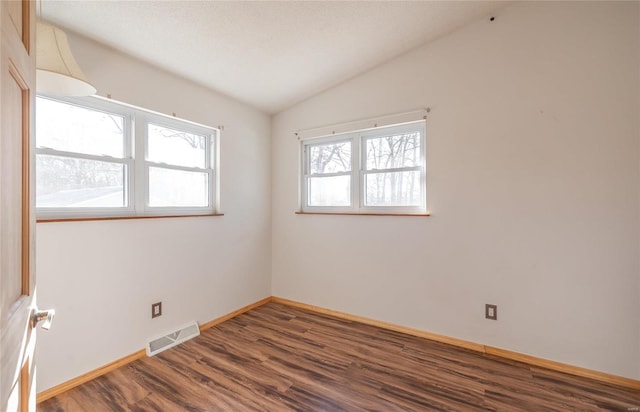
[385, 325]
[565, 368]
[65, 386]
[235, 313]
[70, 384]
[489, 350]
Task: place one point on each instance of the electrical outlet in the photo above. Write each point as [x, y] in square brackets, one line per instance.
[491, 311]
[156, 310]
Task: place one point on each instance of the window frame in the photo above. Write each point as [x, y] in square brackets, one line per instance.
[359, 170]
[209, 167]
[135, 151]
[305, 181]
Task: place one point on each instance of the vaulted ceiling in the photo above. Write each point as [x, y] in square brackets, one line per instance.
[269, 54]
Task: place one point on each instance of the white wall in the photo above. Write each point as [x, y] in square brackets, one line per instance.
[101, 277]
[533, 185]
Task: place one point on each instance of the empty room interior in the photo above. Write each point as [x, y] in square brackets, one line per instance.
[359, 205]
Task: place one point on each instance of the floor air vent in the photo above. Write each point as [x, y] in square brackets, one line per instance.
[172, 339]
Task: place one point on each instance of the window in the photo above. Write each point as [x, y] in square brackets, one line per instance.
[380, 170]
[89, 161]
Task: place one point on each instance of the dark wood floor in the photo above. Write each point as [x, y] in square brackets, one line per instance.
[278, 358]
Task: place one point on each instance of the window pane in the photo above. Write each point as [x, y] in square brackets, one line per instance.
[330, 191]
[168, 187]
[68, 182]
[176, 147]
[389, 152]
[70, 128]
[392, 189]
[330, 158]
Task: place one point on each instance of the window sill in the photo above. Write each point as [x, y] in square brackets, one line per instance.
[86, 219]
[364, 214]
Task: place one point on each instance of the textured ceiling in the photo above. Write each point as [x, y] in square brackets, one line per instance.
[270, 54]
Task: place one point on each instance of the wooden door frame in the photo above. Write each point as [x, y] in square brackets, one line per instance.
[17, 51]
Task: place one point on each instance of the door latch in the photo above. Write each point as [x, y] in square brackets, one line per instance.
[44, 316]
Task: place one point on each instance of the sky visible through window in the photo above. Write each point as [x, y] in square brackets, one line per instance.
[391, 171]
[82, 160]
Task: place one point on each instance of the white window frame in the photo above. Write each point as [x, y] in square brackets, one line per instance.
[358, 170]
[306, 175]
[135, 158]
[144, 164]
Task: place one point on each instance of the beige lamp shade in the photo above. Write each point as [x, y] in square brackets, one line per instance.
[57, 71]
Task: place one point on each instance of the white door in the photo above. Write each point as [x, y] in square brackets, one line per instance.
[17, 274]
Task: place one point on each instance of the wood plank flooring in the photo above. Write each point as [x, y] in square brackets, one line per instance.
[279, 358]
